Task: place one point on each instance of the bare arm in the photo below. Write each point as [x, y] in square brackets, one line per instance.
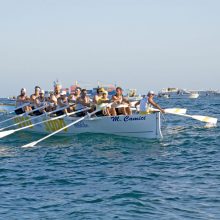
[151, 101]
[137, 103]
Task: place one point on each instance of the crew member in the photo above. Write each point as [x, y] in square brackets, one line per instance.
[147, 103]
[22, 100]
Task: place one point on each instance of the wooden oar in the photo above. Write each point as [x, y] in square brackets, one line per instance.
[175, 110]
[45, 114]
[170, 110]
[207, 119]
[22, 106]
[8, 132]
[26, 113]
[32, 144]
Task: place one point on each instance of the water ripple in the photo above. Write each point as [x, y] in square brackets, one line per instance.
[108, 177]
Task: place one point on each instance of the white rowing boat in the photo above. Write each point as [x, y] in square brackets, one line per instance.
[146, 126]
[141, 126]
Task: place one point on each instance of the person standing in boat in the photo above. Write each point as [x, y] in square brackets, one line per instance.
[21, 100]
[118, 100]
[146, 104]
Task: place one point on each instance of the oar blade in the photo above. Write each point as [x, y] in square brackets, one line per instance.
[6, 133]
[209, 120]
[32, 144]
[175, 111]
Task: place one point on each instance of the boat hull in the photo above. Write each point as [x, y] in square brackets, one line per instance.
[140, 126]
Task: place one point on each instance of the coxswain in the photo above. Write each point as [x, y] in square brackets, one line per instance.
[146, 104]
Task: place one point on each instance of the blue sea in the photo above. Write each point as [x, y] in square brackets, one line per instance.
[107, 177]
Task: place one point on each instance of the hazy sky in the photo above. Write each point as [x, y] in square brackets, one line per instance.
[143, 44]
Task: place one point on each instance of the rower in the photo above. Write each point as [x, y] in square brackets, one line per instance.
[98, 96]
[82, 102]
[118, 99]
[57, 90]
[74, 96]
[104, 99]
[40, 102]
[22, 99]
[62, 101]
[146, 104]
[35, 95]
[52, 102]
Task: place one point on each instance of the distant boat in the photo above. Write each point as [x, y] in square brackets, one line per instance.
[132, 96]
[209, 92]
[178, 93]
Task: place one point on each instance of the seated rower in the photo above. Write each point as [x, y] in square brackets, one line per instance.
[40, 102]
[52, 102]
[35, 95]
[104, 99]
[22, 99]
[98, 95]
[82, 102]
[73, 97]
[147, 103]
[57, 90]
[118, 100]
[62, 101]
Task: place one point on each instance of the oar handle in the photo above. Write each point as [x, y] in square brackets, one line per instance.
[22, 106]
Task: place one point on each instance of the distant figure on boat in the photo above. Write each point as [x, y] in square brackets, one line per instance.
[147, 103]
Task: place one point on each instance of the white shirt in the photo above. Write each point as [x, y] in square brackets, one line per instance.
[144, 104]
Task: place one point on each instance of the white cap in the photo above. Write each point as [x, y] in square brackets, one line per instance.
[23, 89]
[105, 92]
[63, 93]
[151, 93]
[41, 91]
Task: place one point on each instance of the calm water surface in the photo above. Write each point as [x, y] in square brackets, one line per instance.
[107, 177]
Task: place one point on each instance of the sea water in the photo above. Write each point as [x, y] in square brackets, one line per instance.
[107, 177]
